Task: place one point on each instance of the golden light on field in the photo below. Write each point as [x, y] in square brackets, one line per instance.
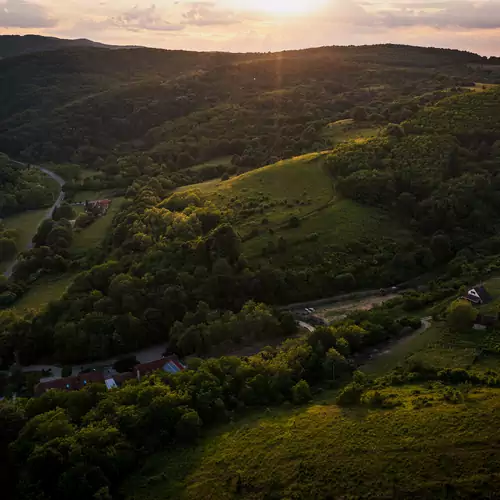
[284, 7]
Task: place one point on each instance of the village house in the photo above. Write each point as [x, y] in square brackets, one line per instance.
[478, 295]
[74, 383]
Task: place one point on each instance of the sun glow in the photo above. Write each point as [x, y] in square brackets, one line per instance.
[285, 7]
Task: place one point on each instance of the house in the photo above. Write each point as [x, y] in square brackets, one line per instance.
[169, 365]
[74, 383]
[478, 295]
[97, 207]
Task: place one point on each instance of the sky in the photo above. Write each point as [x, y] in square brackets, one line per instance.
[261, 25]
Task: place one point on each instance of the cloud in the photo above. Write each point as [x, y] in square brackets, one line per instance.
[24, 14]
[137, 19]
[453, 14]
[208, 14]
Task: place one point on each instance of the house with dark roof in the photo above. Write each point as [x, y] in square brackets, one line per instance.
[74, 383]
[478, 295]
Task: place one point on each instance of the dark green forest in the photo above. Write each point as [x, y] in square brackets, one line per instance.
[173, 269]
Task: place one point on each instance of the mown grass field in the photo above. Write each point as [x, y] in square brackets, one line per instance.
[43, 291]
[92, 236]
[25, 224]
[324, 451]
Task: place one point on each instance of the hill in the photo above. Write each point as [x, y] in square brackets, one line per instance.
[425, 447]
[15, 45]
[173, 107]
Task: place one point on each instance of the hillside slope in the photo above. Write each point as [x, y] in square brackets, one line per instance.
[439, 450]
[15, 45]
[89, 105]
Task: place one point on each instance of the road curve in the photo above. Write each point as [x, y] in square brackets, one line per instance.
[48, 213]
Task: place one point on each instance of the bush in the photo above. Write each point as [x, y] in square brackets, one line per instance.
[301, 393]
[350, 395]
[66, 371]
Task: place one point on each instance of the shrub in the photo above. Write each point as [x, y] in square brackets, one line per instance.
[301, 393]
[66, 371]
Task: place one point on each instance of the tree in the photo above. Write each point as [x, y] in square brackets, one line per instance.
[358, 114]
[301, 393]
[64, 211]
[8, 249]
[461, 315]
[441, 248]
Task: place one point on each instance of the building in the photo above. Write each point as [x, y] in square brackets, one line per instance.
[478, 295]
[75, 383]
[97, 207]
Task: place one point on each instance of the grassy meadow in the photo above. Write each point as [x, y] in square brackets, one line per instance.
[26, 224]
[347, 129]
[263, 202]
[43, 291]
[426, 447]
[92, 236]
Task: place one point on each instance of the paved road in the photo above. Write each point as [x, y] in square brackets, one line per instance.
[48, 214]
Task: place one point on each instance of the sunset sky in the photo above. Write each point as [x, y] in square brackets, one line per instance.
[261, 25]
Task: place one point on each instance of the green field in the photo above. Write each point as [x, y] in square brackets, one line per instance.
[81, 196]
[43, 291]
[92, 236]
[323, 451]
[345, 130]
[26, 224]
[261, 204]
[222, 160]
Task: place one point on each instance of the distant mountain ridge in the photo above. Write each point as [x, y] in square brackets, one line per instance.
[15, 45]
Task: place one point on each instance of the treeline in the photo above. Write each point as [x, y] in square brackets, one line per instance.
[23, 188]
[441, 181]
[183, 109]
[94, 437]
[169, 257]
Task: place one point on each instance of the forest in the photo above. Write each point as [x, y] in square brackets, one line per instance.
[177, 266]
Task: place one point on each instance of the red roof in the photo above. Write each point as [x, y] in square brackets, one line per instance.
[70, 383]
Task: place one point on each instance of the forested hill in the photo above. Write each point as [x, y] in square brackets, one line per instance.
[181, 108]
[15, 45]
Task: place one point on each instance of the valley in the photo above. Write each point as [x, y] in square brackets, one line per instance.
[297, 233]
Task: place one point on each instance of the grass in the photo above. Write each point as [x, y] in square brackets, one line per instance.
[262, 203]
[323, 451]
[43, 291]
[340, 224]
[347, 129]
[80, 196]
[276, 192]
[92, 236]
[26, 224]
[222, 160]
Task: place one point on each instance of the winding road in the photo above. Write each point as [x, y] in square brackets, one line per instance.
[48, 213]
